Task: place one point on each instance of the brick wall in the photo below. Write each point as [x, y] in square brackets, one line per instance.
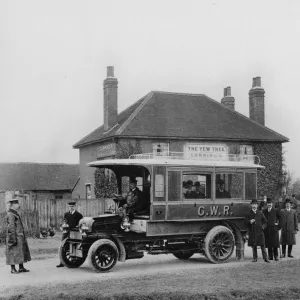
[269, 179]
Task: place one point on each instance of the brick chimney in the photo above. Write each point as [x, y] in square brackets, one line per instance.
[110, 87]
[257, 102]
[228, 101]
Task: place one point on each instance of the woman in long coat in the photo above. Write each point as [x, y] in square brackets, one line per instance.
[271, 231]
[256, 223]
[289, 227]
[17, 250]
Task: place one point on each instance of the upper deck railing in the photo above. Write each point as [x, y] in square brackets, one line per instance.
[208, 156]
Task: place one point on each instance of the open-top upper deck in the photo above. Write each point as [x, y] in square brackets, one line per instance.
[181, 159]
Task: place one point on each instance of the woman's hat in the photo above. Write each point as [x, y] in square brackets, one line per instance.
[253, 201]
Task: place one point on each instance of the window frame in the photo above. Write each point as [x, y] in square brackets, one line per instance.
[163, 152]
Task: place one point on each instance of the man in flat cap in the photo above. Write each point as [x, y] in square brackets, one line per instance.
[256, 223]
[71, 218]
[221, 192]
[289, 228]
[17, 250]
[271, 231]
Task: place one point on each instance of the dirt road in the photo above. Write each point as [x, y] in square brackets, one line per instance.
[44, 271]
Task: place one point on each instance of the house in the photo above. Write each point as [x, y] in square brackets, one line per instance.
[194, 124]
[38, 182]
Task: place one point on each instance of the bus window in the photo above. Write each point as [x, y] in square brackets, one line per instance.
[229, 185]
[196, 186]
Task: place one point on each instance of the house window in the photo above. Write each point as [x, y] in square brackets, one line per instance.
[58, 197]
[88, 191]
[246, 150]
[160, 149]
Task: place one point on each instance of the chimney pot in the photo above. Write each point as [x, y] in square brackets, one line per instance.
[228, 101]
[110, 71]
[228, 91]
[258, 81]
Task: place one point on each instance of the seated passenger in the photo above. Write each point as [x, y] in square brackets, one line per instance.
[189, 194]
[221, 192]
[198, 194]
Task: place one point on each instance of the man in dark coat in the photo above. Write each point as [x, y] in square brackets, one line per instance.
[271, 231]
[289, 228]
[256, 223]
[134, 201]
[17, 250]
[221, 192]
[71, 218]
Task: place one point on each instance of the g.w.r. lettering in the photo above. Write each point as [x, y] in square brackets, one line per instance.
[213, 210]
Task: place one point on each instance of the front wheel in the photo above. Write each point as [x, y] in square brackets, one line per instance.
[103, 255]
[66, 257]
[219, 244]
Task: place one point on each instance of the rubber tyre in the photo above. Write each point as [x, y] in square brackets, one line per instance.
[184, 254]
[64, 256]
[219, 244]
[103, 255]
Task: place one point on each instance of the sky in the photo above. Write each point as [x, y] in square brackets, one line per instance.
[54, 54]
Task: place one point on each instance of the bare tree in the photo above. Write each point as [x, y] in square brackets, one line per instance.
[287, 181]
[296, 187]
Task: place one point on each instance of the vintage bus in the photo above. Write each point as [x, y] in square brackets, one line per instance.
[193, 205]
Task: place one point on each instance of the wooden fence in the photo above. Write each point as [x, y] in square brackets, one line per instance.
[50, 212]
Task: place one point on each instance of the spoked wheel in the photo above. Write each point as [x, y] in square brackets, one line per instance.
[66, 258]
[184, 254]
[219, 244]
[103, 255]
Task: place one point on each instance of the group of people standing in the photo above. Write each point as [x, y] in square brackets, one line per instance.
[264, 226]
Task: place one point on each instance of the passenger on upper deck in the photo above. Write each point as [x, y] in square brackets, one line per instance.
[221, 192]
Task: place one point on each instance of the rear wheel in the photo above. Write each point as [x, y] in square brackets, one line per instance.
[66, 257]
[103, 255]
[219, 244]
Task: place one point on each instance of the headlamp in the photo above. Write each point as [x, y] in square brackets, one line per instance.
[125, 224]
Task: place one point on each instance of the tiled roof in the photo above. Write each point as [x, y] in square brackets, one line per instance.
[35, 176]
[185, 116]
